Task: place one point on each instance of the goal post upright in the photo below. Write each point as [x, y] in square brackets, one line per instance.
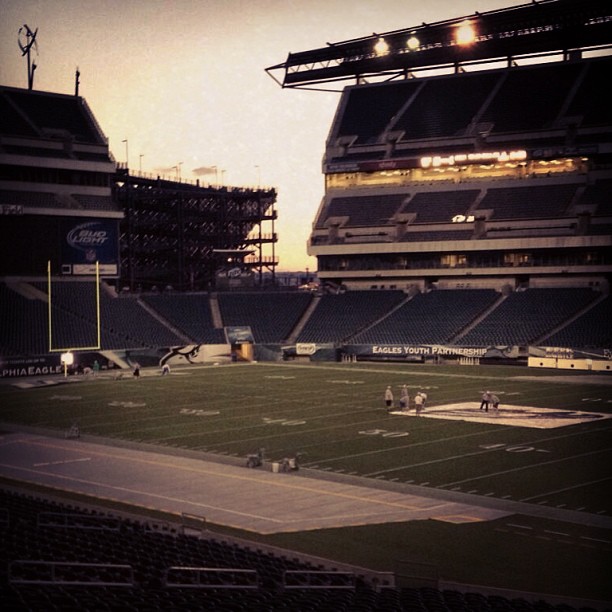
[50, 316]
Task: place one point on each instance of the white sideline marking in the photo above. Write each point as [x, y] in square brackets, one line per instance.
[64, 462]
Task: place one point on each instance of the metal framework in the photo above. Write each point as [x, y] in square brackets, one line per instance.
[176, 233]
[528, 29]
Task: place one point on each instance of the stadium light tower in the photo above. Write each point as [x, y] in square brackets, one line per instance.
[127, 158]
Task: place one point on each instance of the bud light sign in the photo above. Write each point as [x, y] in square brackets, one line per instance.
[87, 242]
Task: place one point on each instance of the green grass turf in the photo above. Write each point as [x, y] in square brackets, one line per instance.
[334, 414]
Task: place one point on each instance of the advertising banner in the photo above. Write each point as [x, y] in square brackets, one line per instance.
[239, 334]
[87, 241]
[564, 352]
[428, 351]
[14, 367]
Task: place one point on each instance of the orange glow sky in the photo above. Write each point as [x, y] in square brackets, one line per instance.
[185, 81]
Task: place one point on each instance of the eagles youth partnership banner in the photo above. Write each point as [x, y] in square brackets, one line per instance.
[422, 351]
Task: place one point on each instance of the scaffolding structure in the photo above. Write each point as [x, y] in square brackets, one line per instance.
[182, 236]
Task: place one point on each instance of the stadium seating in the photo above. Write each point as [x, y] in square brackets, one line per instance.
[586, 103]
[364, 210]
[271, 316]
[526, 101]
[440, 206]
[591, 330]
[439, 235]
[529, 202]
[92, 202]
[429, 318]
[358, 317]
[30, 199]
[337, 317]
[421, 119]
[56, 113]
[526, 315]
[23, 324]
[598, 195]
[124, 322]
[368, 110]
[56, 556]
[190, 313]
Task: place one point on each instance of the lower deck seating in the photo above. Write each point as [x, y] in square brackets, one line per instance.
[339, 316]
[271, 316]
[149, 553]
[542, 315]
[429, 318]
[527, 315]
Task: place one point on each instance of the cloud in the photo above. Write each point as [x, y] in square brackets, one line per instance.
[170, 170]
[204, 170]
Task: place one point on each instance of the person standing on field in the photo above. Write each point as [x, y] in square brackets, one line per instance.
[495, 402]
[486, 400]
[424, 398]
[418, 403]
[404, 399]
[389, 398]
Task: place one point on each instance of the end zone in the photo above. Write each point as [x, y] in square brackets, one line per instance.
[518, 416]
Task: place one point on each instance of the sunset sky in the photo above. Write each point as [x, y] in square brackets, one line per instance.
[184, 82]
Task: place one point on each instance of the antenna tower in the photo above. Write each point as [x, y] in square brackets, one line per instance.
[27, 40]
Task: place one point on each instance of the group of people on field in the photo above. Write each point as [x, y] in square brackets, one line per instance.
[404, 402]
[488, 399]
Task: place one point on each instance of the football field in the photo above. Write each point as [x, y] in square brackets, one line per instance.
[548, 446]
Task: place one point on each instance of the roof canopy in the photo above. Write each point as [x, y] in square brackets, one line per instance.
[528, 29]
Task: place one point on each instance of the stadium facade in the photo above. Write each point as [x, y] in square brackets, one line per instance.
[482, 171]
[65, 200]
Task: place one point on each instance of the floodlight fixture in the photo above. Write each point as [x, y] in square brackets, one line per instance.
[381, 47]
[465, 33]
[413, 42]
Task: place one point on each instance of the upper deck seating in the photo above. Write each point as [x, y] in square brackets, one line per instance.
[31, 199]
[55, 112]
[423, 118]
[93, 202]
[368, 110]
[12, 121]
[530, 98]
[588, 106]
